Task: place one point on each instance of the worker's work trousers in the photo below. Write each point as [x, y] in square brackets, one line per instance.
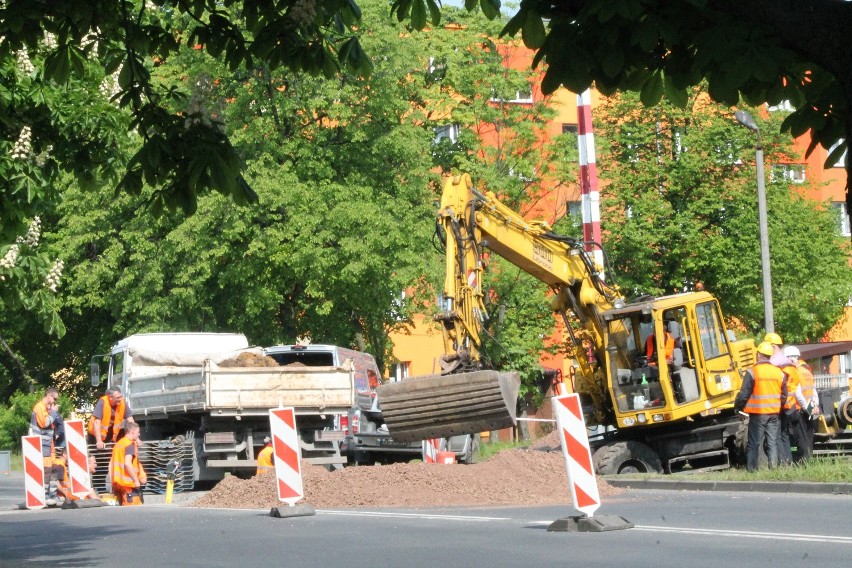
[127, 495]
[762, 426]
[805, 442]
[788, 436]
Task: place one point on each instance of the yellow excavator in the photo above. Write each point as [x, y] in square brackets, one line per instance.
[657, 377]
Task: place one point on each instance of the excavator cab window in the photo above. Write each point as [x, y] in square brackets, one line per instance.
[636, 383]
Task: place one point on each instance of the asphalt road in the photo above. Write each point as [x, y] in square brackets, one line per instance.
[672, 528]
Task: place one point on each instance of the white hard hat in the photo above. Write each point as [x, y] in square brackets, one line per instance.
[267, 440]
[791, 351]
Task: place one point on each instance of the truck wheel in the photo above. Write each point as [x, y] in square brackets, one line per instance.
[469, 456]
[626, 457]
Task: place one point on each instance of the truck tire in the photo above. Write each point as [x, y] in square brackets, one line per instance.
[471, 451]
[626, 457]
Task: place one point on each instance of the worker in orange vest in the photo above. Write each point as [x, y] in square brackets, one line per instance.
[761, 396]
[789, 432]
[265, 459]
[807, 404]
[43, 420]
[125, 471]
[109, 418]
[651, 347]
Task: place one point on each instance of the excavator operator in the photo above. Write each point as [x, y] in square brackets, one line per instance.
[668, 346]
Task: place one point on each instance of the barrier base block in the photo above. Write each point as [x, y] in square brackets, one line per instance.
[83, 504]
[590, 524]
[294, 511]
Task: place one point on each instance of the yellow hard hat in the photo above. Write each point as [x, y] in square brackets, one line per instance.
[766, 349]
[773, 338]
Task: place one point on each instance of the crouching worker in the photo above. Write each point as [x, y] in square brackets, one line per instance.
[125, 471]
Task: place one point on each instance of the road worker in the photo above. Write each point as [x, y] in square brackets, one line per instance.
[761, 396]
[789, 433]
[43, 420]
[777, 358]
[109, 418]
[265, 459]
[125, 471]
[808, 405]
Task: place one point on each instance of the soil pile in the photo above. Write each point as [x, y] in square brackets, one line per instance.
[519, 476]
[249, 359]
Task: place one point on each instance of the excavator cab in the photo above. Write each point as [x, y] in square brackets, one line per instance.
[669, 358]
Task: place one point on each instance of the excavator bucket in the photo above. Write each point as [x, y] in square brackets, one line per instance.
[441, 406]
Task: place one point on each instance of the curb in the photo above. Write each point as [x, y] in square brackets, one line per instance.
[752, 486]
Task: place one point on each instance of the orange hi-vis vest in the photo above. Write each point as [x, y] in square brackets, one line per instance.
[650, 346]
[109, 419]
[766, 395]
[806, 380]
[265, 460]
[120, 476]
[792, 383]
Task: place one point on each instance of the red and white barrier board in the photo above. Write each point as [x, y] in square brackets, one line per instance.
[78, 461]
[430, 450]
[33, 472]
[577, 454]
[285, 448]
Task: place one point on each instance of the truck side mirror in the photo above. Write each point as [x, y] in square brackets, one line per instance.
[95, 373]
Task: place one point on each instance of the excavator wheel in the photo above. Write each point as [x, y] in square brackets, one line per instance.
[626, 457]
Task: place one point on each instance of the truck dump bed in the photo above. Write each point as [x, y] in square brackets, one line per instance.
[160, 386]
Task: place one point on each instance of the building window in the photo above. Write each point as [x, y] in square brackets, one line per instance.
[841, 160]
[569, 128]
[843, 225]
[521, 96]
[575, 212]
[399, 371]
[791, 172]
[447, 132]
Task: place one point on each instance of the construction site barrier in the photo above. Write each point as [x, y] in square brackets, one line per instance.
[33, 472]
[577, 453]
[430, 450]
[285, 449]
[78, 460]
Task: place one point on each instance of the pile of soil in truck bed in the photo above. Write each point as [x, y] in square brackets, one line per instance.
[518, 476]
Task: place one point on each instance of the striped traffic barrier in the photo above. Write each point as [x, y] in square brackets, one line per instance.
[33, 472]
[581, 473]
[78, 461]
[430, 450]
[288, 468]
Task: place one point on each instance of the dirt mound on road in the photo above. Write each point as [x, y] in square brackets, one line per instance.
[511, 477]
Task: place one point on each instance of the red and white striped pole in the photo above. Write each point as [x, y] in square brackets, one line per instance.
[33, 472]
[577, 454]
[288, 455]
[78, 462]
[590, 196]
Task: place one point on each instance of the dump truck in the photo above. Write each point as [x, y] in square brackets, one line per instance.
[657, 377]
[203, 400]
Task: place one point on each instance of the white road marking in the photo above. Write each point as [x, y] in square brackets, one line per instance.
[393, 515]
[750, 534]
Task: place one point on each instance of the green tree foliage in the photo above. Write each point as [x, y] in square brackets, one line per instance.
[681, 208]
[760, 50]
[342, 226]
